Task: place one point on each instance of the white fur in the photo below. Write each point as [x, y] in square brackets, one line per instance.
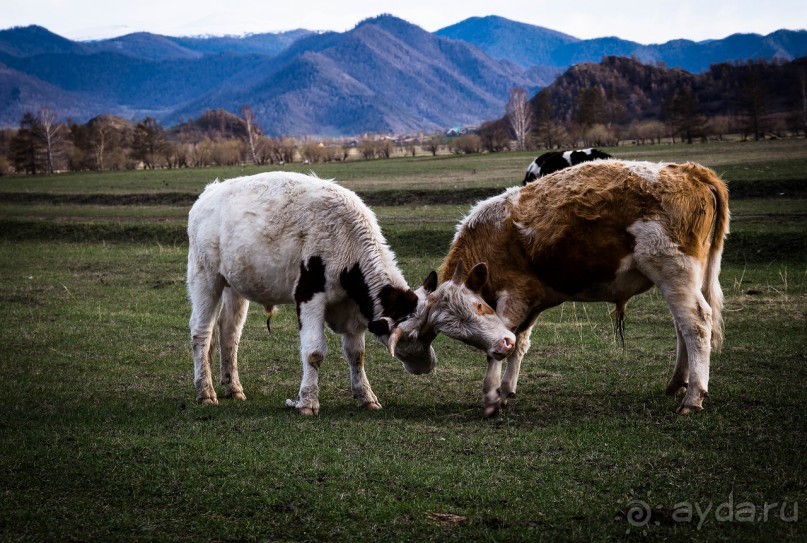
[646, 170]
[493, 210]
[680, 279]
[248, 237]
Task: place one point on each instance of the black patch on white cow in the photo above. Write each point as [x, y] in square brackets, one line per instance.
[353, 282]
[554, 161]
[397, 303]
[311, 281]
[576, 157]
[545, 164]
[596, 154]
[379, 327]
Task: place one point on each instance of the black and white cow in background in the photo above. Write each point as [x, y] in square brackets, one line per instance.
[554, 161]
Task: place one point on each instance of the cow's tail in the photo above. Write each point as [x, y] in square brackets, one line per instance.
[720, 228]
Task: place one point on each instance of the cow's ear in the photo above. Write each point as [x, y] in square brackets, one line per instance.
[379, 327]
[478, 277]
[430, 283]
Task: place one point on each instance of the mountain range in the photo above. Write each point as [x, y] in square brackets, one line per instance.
[529, 46]
[384, 75]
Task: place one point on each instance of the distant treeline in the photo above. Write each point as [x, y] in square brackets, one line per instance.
[616, 101]
[621, 99]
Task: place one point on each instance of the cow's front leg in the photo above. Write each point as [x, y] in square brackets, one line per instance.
[510, 380]
[312, 354]
[353, 349]
[491, 388]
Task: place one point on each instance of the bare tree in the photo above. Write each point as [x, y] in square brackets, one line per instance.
[754, 101]
[519, 113]
[51, 134]
[101, 136]
[367, 148]
[252, 131]
[545, 127]
[495, 136]
[433, 144]
[682, 113]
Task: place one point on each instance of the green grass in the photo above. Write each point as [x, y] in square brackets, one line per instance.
[101, 438]
[735, 161]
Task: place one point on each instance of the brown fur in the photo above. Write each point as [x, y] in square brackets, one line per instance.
[570, 230]
[590, 233]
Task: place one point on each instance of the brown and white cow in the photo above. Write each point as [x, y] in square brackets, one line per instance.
[601, 231]
[285, 238]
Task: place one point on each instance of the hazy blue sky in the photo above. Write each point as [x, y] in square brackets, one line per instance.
[644, 21]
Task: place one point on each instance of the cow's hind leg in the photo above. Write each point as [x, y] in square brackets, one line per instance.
[312, 353]
[204, 292]
[353, 349]
[231, 322]
[696, 327]
[693, 320]
[679, 381]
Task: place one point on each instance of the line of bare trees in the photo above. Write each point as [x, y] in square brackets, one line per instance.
[42, 144]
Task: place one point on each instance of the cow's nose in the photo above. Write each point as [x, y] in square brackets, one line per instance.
[505, 346]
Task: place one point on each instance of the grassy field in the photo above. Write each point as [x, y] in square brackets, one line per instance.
[101, 438]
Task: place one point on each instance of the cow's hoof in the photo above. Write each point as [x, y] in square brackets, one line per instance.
[372, 406]
[207, 401]
[240, 396]
[306, 410]
[689, 409]
[492, 410]
[676, 389]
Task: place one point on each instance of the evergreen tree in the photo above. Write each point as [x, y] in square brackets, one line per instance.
[591, 107]
[26, 148]
[149, 142]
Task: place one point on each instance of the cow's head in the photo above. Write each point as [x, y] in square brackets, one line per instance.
[455, 308]
[413, 348]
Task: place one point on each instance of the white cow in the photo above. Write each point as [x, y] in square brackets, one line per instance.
[285, 238]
